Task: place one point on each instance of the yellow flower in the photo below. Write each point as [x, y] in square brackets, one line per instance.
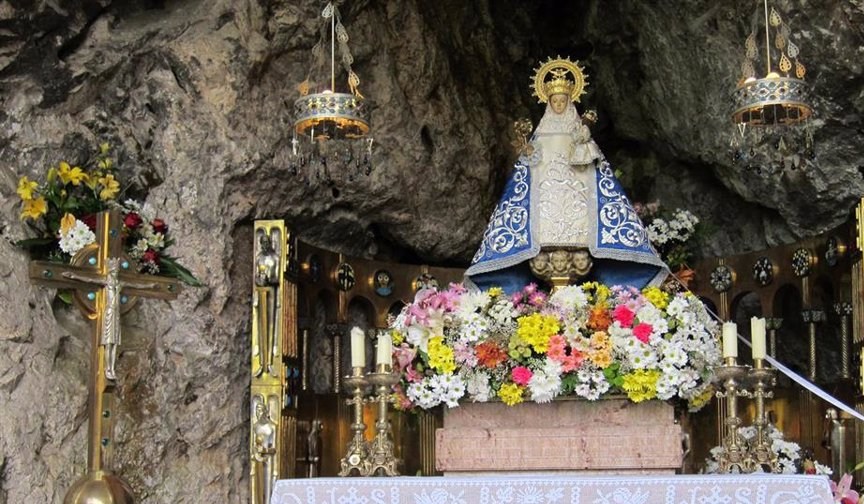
[34, 208]
[510, 394]
[600, 291]
[495, 292]
[110, 187]
[657, 297]
[104, 148]
[397, 337]
[536, 329]
[67, 223]
[441, 356]
[93, 180]
[52, 174]
[641, 384]
[701, 399]
[105, 164]
[26, 188]
[74, 175]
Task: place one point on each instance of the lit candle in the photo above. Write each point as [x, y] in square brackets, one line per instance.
[757, 337]
[358, 348]
[730, 340]
[385, 349]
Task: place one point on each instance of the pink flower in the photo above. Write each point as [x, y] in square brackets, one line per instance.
[843, 492]
[404, 355]
[529, 289]
[537, 298]
[558, 352]
[623, 315]
[464, 354]
[521, 375]
[643, 331]
[412, 376]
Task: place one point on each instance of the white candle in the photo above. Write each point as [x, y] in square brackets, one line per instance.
[385, 349]
[757, 337]
[730, 339]
[358, 348]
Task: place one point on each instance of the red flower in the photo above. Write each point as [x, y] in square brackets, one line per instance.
[159, 226]
[643, 331]
[150, 256]
[132, 220]
[623, 315]
[90, 220]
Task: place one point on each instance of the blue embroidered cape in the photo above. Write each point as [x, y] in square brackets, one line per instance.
[622, 252]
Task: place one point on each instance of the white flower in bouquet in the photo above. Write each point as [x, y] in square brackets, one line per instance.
[472, 304]
[503, 313]
[569, 298]
[667, 385]
[421, 394]
[418, 336]
[76, 237]
[448, 388]
[592, 384]
[545, 383]
[474, 327]
[477, 385]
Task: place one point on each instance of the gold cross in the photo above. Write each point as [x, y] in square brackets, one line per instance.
[105, 286]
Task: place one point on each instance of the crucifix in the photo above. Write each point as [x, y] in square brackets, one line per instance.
[105, 286]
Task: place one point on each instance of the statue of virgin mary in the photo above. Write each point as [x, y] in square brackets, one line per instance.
[564, 215]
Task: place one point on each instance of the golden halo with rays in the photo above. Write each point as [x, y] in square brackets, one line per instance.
[559, 67]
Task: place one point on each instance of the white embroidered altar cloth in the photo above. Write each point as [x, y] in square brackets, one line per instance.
[540, 489]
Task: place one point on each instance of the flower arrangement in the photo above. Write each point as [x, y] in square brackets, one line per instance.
[62, 211]
[587, 341]
[674, 234]
[790, 457]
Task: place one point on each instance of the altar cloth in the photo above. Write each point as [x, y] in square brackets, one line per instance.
[540, 489]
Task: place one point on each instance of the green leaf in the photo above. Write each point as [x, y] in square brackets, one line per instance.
[30, 243]
[65, 296]
[568, 383]
[171, 268]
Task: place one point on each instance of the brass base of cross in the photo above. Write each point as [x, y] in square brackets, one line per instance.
[99, 487]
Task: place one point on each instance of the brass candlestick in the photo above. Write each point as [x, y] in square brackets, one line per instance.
[760, 453]
[382, 460]
[356, 460]
[731, 377]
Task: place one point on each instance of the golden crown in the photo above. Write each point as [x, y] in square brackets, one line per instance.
[559, 83]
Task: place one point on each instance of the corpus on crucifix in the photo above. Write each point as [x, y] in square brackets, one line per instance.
[105, 286]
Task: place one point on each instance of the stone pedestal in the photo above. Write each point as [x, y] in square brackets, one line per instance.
[607, 436]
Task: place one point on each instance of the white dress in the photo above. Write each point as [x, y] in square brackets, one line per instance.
[563, 186]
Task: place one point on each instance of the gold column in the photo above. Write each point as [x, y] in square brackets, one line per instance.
[272, 432]
[858, 330]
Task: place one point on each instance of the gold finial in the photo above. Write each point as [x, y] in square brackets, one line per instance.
[559, 83]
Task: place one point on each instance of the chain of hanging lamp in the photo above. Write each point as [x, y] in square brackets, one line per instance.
[331, 139]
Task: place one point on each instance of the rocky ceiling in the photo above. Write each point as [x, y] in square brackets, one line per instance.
[195, 95]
